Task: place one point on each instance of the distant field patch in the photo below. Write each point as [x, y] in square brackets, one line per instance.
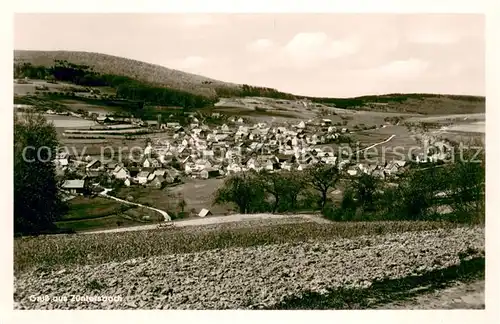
[61, 121]
[477, 127]
[398, 146]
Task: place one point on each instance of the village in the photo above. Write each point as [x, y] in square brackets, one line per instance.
[202, 151]
[225, 161]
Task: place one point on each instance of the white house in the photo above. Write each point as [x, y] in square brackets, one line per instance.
[225, 128]
[208, 153]
[121, 173]
[329, 159]
[400, 163]
[352, 172]
[61, 162]
[268, 165]
[74, 186]
[302, 167]
[204, 174]
[142, 177]
[201, 164]
[150, 163]
[233, 168]
[301, 124]
[326, 121]
[220, 137]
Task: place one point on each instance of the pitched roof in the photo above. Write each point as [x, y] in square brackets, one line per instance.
[91, 163]
[93, 174]
[401, 163]
[143, 174]
[74, 184]
[160, 172]
[204, 212]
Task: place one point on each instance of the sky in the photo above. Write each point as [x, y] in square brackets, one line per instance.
[334, 54]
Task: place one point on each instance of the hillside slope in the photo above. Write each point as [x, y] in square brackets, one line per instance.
[162, 77]
[141, 71]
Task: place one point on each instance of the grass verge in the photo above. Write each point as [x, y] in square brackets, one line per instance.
[67, 250]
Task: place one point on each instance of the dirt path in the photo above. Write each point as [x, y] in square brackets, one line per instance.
[459, 296]
[166, 217]
[213, 220]
[373, 145]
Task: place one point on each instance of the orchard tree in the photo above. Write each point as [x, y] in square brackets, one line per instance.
[323, 178]
[364, 189]
[284, 187]
[243, 189]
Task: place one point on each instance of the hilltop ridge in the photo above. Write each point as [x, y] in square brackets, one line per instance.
[152, 75]
[141, 71]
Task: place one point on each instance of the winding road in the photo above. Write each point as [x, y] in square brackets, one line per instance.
[166, 217]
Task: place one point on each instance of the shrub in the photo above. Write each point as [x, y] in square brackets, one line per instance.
[329, 211]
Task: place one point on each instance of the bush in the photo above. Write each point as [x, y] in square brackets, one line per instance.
[329, 211]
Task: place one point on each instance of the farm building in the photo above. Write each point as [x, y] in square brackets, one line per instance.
[75, 186]
[142, 177]
[120, 172]
[157, 182]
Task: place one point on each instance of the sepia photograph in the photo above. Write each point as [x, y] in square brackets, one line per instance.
[249, 161]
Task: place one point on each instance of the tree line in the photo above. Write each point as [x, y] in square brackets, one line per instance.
[126, 88]
[37, 203]
[246, 90]
[417, 194]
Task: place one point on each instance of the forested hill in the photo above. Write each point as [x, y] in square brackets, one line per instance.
[137, 70]
[160, 85]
